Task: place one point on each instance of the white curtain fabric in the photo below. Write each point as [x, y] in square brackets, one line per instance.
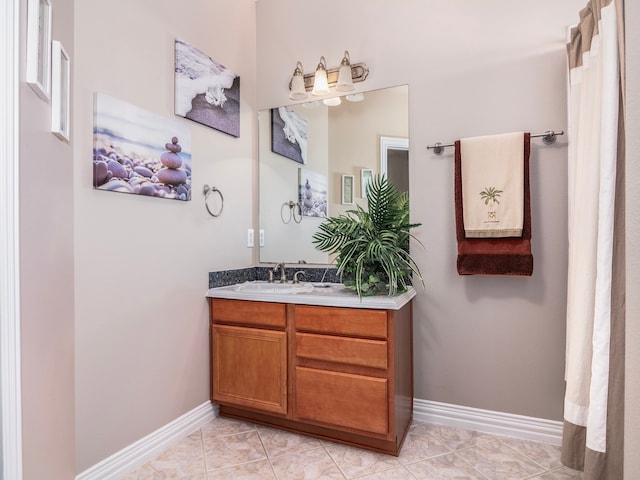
[594, 99]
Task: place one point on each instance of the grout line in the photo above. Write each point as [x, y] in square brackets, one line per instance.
[344, 475]
[470, 464]
[544, 469]
[204, 455]
[266, 452]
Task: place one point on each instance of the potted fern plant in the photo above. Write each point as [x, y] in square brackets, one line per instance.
[372, 246]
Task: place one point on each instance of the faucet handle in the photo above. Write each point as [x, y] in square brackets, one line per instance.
[295, 276]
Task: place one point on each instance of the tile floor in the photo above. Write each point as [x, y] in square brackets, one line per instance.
[235, 450]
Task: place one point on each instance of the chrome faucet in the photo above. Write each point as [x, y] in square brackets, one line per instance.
[283, 274]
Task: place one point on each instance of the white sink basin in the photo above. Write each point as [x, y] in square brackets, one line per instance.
[274, 288]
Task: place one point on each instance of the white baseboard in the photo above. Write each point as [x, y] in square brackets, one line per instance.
[487, 421]
[137, 454]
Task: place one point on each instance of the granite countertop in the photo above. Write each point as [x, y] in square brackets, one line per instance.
[321, 294]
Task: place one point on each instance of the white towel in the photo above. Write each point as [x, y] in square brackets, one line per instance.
[492, 170]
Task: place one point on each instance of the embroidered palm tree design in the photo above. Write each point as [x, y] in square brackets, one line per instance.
[490, 194]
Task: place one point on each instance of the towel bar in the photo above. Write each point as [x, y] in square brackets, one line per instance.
[549, 137]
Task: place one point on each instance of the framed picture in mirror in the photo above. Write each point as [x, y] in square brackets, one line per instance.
[365, 177]
[289, 134]
[312, 193]
[347, 189]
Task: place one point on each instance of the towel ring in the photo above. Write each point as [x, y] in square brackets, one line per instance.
[206, 191]
[293, 209]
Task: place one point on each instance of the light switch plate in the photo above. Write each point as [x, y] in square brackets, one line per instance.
[250, 238]
[261, 238]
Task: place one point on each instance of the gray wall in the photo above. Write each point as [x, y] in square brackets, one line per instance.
[46, 276]
[142, 348]
[473, 68]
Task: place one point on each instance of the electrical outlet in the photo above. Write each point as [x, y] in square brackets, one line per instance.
[261, 239]
[250, 238]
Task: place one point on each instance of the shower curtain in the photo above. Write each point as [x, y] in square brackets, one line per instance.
[594, 372]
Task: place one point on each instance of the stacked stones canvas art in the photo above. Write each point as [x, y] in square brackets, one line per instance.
[139, 152]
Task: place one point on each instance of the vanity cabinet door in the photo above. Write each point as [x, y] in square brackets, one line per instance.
[250, 368]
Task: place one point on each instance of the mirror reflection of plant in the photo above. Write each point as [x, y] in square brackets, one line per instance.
[372, 245]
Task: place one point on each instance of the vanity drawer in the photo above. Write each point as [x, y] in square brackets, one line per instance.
[360, 322]
[350, 351]
[361, 403]
[249, 313]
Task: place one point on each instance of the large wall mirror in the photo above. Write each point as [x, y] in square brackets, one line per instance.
[315, 160]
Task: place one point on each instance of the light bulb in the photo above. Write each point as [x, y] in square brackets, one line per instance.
[298, 92]
[320, 83]
[345, 80]
[332, 102]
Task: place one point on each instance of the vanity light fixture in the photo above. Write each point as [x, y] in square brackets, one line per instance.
[320, 82]
[298, 91]
[345, 82]
[323, 79]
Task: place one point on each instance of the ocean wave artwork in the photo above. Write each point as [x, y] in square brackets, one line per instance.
[207, 92]
[139, 152]
[289, 134]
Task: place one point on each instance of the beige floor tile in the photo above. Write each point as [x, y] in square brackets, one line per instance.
[562, 473]
[445, 467]
[546, 455]
[455, 438]
[400, 473]
[167, 476]
[220, 426]
[420, 445]
[497, 461]
[231, 450]
[355, 462]
[131, 476]
[281, 442]
[313, 464]
[184, 460]
[260, 470]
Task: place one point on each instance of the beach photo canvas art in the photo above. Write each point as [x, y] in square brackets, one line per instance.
[206, 91]
[313, 193]
[139, 152]
[289, 134]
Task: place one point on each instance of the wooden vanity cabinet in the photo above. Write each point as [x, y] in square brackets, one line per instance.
[342, 374]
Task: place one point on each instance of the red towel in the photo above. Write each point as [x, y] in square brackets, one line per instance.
[494, 256]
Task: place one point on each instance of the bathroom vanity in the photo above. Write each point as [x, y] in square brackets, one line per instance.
[317, 361]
